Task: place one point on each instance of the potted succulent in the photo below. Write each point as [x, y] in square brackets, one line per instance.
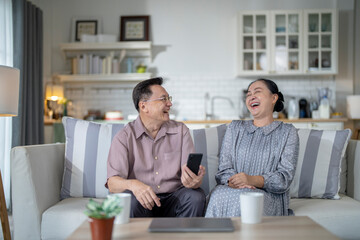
[102, 215]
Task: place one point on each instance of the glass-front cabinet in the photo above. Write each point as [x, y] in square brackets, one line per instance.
[287, 42]
[320, 41]
[254, 42]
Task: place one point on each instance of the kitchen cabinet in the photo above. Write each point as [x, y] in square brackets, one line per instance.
[306, 123]
[320, 125]
[105, 62]
[288, 42]
[254, 42]
[320, 35]
[54, 131]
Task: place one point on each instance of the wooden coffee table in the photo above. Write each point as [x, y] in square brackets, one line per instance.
[270, 228]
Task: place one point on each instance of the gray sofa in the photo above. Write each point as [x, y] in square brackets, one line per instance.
[38, 212]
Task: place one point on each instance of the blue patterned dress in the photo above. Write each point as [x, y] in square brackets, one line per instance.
[270, 151]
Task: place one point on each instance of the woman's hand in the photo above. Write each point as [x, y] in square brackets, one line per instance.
[240, 180]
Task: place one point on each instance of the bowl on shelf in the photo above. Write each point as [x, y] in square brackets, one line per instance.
[114, 115]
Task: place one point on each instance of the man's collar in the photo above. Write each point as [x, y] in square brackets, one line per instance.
[166, 128]
[251, 128]
[139, 127]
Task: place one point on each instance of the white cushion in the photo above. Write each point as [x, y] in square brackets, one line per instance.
[317, 173]
[60, 220]
[341, 217]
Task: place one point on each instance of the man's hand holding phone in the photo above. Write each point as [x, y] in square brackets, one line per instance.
[192, 172]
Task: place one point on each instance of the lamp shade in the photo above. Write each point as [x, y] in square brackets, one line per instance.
[9, 91]
[54, 92]
[352, 106]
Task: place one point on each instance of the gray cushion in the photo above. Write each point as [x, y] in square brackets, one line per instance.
[318, 168]
[86, 151]
[353, 173]
[208, 142]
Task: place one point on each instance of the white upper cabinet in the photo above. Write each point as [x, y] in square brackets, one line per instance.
[320, 35]
[254, 42]
[287, 42]
[286, 39]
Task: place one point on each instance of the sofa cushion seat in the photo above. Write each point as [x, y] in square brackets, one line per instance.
[60, 220]
[341, 217]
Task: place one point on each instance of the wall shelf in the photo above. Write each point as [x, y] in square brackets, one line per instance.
[138, 45]
[132, 49]
[119, 77]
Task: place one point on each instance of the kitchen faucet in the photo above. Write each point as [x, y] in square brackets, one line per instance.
[211, 116]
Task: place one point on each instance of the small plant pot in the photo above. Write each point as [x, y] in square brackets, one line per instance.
[101, 229]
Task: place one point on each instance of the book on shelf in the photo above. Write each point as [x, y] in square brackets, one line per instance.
[95, 64]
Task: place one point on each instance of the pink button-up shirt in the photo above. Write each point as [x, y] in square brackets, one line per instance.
[134, 154]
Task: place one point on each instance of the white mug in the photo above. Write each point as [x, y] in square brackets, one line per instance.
[251, 205]
[125, 201]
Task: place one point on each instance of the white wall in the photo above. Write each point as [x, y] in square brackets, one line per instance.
[195, 50]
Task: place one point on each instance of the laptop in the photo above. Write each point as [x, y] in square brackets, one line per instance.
[191, 225]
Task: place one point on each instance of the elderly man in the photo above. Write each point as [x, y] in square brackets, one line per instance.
[148, 157]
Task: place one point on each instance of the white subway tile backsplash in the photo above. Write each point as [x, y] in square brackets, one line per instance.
[189, 94]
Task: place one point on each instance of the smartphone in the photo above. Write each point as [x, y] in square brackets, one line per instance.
[193, 162]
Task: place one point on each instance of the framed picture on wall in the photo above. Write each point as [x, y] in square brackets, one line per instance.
[85, 27]
[89, 25]
[134, 28]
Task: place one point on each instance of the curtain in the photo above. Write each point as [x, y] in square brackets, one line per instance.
[6, 58]
[28, 126]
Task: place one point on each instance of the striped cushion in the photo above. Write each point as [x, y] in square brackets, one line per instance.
[208, 142]
[318, 169]
[87, 147]
[86, 152]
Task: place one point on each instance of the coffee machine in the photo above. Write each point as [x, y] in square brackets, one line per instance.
[303, 108]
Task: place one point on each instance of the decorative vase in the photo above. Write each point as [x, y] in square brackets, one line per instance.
[101, 229]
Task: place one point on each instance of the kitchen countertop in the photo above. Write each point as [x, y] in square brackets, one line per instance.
[48, 121]
[52, 121]
[283, 119]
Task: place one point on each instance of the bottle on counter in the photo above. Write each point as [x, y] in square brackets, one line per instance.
[129, 65]
[324, 108]
[293, 109]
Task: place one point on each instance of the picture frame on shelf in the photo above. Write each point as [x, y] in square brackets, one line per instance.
[84, 25]
[134, 28]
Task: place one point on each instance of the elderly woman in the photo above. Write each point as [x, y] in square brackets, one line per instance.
[257, 155]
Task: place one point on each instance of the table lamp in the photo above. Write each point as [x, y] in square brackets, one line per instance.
[53, 94]
[9, 99]
[353, 111]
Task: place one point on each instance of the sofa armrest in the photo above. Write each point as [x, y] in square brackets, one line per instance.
[353, 161]
[36, 177]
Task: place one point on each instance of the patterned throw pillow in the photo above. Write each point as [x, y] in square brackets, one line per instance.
[208, 142]
[318, 169]
[86, 152]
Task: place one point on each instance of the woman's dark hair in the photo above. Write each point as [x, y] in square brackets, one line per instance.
[142, 90]
[279, 105]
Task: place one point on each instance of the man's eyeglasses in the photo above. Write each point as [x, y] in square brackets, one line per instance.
[164, 99]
